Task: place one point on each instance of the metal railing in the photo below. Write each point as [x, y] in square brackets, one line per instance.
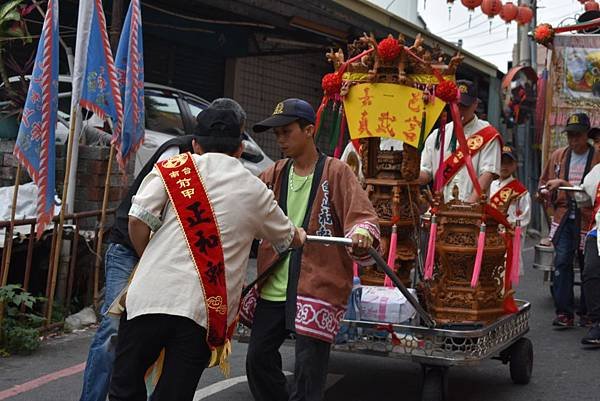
[71, 242]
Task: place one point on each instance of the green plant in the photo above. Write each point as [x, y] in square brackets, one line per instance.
[20, 326]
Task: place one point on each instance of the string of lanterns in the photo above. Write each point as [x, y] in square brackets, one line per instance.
[508, 11]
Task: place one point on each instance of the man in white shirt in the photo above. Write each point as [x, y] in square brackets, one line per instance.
[204, 210]
[484, 143]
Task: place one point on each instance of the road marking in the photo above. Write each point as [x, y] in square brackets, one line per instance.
[223, 385]
[40, 381]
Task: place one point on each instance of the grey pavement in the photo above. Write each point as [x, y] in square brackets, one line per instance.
[563, 370]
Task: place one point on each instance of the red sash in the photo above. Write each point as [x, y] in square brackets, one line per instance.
[197, 221]
[506, 194]
[475, 143]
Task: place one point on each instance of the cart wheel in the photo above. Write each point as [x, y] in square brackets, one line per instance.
[434, 384]
[521, 361]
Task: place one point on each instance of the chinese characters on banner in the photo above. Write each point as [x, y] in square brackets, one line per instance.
[389, 110]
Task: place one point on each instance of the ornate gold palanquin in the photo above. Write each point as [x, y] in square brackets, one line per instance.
[449, 296]
[394, 198]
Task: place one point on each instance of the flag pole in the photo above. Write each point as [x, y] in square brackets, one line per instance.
[61, 220]
[9, 233]
[102, 222]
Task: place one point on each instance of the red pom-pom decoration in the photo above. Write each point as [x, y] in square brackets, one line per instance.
[543, 34]
[447, 91]
[388, 49]
[331, 83]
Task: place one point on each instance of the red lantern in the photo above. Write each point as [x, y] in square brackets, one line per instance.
[471, 5]
[525, 15]
[491, 8]
[591, 5]
[508, 14]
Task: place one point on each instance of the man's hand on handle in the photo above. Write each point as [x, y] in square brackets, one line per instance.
[299, 238]
[361, 244]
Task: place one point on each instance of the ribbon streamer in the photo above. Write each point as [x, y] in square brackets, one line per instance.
[429, 261]
[392, 255]
[478, 256]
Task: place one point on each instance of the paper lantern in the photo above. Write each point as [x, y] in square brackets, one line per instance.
[471, 5]
[508, 14]
[591, 5]
[491, 8]
[525, 15]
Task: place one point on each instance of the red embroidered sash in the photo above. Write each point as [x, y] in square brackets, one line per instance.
[506, 194]
[596, 207]
[475, 143]
[197, 221]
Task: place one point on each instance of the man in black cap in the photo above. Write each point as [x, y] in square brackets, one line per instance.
[120, 259]
[184, 295]
[568, 166]
[307, 292]
[484, 142]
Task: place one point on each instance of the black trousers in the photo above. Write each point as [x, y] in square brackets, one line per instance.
[263, 360]
[591, 279]
[139, 344]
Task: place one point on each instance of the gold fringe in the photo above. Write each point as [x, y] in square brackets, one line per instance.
[220, 356]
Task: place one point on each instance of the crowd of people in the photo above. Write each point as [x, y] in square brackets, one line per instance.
[182, 238]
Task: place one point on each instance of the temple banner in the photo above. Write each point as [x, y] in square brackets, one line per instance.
[390, 111]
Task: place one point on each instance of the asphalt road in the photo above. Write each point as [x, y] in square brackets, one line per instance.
[563, 370]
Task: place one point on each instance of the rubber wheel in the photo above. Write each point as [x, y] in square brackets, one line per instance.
[521, 361]
[434, 384]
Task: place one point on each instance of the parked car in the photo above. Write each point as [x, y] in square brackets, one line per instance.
[169, 112]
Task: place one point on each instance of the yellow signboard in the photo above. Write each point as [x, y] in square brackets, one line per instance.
[391, 111]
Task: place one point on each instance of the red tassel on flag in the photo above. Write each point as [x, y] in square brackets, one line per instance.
[392, 255]
[430, 259]
[478, 256]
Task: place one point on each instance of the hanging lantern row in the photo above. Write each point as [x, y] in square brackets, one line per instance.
[508, 12]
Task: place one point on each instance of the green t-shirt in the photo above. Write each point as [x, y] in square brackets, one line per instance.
[275, 287]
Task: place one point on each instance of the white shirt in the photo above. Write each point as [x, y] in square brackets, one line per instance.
[588, 198]
[166, 280]
[523, 204]
[486, 160]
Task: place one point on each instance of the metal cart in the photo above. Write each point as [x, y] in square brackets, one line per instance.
[437, 349]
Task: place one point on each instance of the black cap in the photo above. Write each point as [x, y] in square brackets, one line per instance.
[509, 152]
[468, 92]
[287, 112]
[578, 122]
[218, 123]
[594, 132]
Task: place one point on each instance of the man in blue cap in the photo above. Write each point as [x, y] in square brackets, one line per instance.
[307, 291]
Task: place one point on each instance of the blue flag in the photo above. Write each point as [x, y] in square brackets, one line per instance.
[100, 88]
[130, 71]
[35, 145]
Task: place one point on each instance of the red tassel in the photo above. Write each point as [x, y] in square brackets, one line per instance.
[430, 259]
[478, 256]
[514, 279]
[392, 255]
[354, 269]
[322, 106]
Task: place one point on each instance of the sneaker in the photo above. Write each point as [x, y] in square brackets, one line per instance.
[593, 336]
[563, 321]
[585, 321]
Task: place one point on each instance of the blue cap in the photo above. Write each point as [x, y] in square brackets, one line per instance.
[287, 112]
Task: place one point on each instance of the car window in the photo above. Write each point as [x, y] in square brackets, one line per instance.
[195, 109]
[163, 114]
